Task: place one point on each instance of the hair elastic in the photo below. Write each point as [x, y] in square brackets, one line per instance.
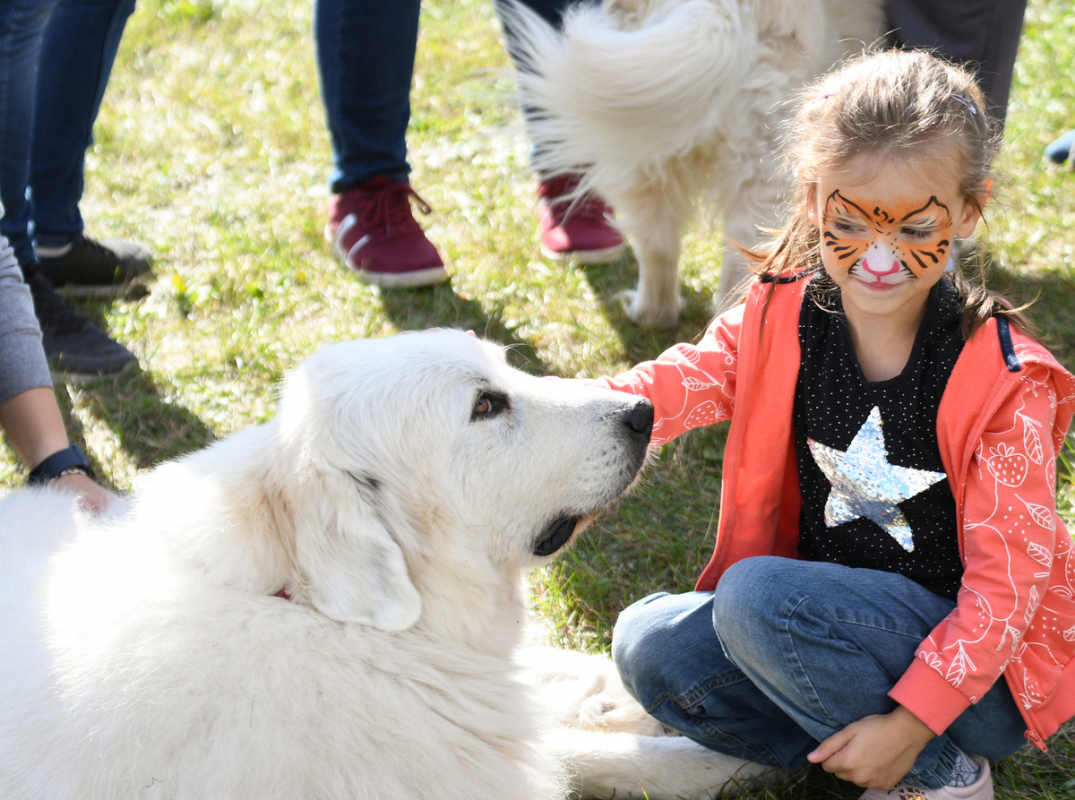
[961, 99]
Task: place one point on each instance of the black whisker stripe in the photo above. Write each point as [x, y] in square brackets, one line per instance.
[920, 262]
[931, 255]
[842, 256]
[836, 249]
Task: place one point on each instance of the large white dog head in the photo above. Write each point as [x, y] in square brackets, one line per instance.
[416, 467]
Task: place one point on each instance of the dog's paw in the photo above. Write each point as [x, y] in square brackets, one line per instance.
[612, 710]
[651, 315]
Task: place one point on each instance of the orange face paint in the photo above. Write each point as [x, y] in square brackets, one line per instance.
[887, 245]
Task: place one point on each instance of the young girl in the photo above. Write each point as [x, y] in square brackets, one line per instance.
[889, 544]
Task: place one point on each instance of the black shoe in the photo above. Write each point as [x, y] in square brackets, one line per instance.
[112, 268]
[77, 349]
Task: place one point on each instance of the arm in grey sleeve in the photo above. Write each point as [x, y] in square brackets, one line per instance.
[22, 359]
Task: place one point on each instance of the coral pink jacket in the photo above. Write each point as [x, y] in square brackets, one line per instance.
[1002, 419]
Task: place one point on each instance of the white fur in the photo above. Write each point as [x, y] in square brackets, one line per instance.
[145, 655]
[674, 104]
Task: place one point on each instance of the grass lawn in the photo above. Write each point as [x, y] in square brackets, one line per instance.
[211, 148]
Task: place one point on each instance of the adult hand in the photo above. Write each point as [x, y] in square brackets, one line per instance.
[875, 752]
[91, 497]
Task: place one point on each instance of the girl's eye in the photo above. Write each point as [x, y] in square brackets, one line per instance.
[845, 227]
[917, 234]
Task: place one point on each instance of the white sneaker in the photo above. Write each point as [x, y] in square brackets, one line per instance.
[981, 789]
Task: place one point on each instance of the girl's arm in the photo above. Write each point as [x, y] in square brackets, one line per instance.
[1011, 537]
[689, 385]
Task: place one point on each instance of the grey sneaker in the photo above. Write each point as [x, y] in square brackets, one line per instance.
[88, 268]
[981, 789]
[77, 350]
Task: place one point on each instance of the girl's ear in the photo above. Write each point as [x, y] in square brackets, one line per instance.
[810, 188]
[972, 212]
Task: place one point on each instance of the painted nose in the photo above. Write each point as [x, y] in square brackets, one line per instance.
[875, 258]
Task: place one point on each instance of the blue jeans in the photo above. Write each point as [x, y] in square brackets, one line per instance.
[786, 653]
[55, 58]
[365, 58]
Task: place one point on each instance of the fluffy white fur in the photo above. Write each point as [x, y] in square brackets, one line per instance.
[146, 656]
[677, 104]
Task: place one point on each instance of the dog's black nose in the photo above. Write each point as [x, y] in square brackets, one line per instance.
[639, 418]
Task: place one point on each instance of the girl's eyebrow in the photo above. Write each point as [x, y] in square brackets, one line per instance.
[932, 208]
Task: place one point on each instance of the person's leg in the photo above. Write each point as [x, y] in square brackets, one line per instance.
[826, 643]
[365, 58]
[984, 34]
[77, 53]
[672, 662]
[570, 226]
[22, 26]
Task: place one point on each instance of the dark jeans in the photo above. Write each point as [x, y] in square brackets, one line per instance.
[55, 58]
[365, 56]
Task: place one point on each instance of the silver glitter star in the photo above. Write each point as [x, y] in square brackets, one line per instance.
[865, 484]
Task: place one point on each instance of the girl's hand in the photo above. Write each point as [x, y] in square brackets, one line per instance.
[91, 497]
[875, 752]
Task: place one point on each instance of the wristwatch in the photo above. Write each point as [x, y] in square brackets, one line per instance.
[64, 462]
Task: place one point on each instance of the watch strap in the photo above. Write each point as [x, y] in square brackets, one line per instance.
[69, 459]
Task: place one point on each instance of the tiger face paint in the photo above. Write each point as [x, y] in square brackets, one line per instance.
[886, 245]
[886, 226]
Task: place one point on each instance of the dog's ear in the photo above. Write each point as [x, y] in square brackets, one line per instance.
[355, 569]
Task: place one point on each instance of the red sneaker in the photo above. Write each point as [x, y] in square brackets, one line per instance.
[373, 232]
[578, 228]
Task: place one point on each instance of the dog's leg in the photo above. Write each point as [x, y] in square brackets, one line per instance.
[655, 217]
[624, 765]
[584, 691]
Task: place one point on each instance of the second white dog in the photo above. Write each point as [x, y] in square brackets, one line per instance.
[669, 105]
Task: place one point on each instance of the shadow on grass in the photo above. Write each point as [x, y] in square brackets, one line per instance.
[147, 426]
[641, 343]
[441, 306]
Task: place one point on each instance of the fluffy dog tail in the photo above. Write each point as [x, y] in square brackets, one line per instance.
[598, 93]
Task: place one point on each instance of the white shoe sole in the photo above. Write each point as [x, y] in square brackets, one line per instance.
[605, 256]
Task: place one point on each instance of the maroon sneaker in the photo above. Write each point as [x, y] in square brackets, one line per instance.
[579, 228]
[373, 232]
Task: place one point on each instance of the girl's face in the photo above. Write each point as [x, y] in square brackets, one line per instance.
[887, 226]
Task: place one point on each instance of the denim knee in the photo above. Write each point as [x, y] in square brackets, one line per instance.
[636, 646]
[748, 593]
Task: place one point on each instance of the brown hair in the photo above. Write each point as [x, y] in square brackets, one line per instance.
[894, 103]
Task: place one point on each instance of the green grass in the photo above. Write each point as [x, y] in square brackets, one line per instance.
[211, 148]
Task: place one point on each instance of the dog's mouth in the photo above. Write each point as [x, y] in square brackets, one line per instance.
[559, 533]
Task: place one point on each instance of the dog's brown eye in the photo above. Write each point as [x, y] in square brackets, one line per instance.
[488, 404]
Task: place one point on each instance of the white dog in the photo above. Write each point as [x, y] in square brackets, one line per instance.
[329, 605]
[672, 104]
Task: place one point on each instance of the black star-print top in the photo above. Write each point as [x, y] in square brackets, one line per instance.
[833, 402]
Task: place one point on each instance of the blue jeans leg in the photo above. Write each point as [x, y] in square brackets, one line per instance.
[77, 53]
[826, 643]
[673, 663]
[365, 57]
[22, 25]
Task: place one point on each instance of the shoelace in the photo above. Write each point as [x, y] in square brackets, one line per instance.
[51, 309]
[588, 207]
[390, 209]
